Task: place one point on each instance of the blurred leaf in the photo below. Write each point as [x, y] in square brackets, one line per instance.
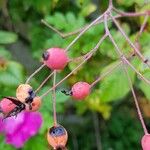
[37, 142]
[13, 75]
[4, 53]
[108, 49]
[67, 22]
[94, 103]
[130, 2]
[47, 122]
[7, 37]
[3, 145]
[145, 87]
[88, 9]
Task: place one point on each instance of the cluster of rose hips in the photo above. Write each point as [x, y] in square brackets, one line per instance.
[26, 98]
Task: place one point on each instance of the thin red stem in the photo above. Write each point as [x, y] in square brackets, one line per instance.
[142, 27]
[123, 59]
[129, 41]
[54, 99]
[135, 100]
[42, 84]
[105, 74]
[129, 14]
[87, 58]
[34, 73]
[83, 31]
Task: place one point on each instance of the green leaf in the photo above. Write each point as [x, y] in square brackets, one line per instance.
[12, 75]
[4, 53]
[3, 144]
[37, 142]
[108, 49]
[145, 87]
[47, 101]
[88, 9]
[115, 86]
[7, 37]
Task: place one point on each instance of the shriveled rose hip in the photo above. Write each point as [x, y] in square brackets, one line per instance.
[146, 142]
[80, 90]
[23, 92]
[6, 105]
[57, 137]
[36, 104]
[55, 58]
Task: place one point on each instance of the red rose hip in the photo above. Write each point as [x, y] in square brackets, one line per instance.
[80, 90]
[6, 106]
[146, 142]
[55, 58]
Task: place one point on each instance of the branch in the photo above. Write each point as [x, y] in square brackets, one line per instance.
[129, 14]
[54, 99]
[105, 74]
[87, 58]
[135, 100]
[121, 54]
[42, 84]
[130, 43]
[66, 35]
[124, 60]
[83, 31]
[34, 73]
[142, 27]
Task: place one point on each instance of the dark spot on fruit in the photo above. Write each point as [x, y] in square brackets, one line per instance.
[60, 148]
[45, 55]
[31, 96]
[57, 131]
[30, 91]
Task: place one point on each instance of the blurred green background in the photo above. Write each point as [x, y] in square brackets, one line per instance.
[107, 119]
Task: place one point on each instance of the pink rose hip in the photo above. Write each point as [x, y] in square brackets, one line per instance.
[146, 142]
[80, 90]
[55, 58]
[6, 105]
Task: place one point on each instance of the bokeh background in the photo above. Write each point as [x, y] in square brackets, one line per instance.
[107, 119]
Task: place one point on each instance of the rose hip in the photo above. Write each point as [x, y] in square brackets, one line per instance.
[80, 90]
[55, 58]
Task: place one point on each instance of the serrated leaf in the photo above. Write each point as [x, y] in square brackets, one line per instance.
[7, 37]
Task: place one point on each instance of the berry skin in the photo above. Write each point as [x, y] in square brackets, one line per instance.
[6, 106]
[57, 137]
[80, 90]
[55, 58]
[146, 142]
[36, 104]
[23, 92]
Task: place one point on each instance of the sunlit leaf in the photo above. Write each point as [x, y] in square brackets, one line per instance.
[115, 86]
[13, 75]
